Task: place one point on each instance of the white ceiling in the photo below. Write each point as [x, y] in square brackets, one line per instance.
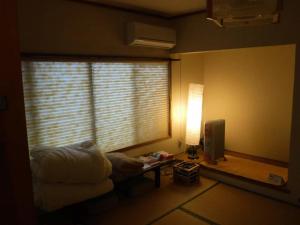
[168, 8]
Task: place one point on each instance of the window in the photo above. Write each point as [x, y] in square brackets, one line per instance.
[117, 104]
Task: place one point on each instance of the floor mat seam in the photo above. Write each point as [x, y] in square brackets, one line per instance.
[201, 193]
[210, 222]
[181, 204]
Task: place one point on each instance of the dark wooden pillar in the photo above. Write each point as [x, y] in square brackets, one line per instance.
[16, 199]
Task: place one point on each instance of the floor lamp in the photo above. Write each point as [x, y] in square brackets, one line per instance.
[193, 119]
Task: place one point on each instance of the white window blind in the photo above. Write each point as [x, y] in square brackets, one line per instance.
[131, 103]
[116, 104]
[57, 102]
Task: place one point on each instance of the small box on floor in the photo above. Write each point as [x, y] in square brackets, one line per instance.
[186, 173]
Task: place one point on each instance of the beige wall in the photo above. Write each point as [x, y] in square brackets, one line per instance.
[252, 89]
[68, 27]
[192, 66]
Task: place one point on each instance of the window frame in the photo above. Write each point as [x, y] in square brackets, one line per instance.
[94, 58]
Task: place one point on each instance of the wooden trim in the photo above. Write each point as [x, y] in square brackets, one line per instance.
[188, 14]
[182, 156]
[141, 145]
[170, 98]
[125, 8]
[138, 10]
[249, 180]
[209, 5]
[17, 205]
[87, 58]
[257, 158]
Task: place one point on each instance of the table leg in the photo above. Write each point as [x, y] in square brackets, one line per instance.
[157, 177]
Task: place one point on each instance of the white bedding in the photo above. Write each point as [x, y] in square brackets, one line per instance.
[50, 197]
[73, 164]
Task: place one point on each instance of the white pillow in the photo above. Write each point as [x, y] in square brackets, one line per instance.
[77, 163]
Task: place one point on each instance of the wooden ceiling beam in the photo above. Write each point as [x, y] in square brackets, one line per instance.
[138, 10]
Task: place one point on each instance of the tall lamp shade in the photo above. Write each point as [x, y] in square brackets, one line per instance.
[194, 114]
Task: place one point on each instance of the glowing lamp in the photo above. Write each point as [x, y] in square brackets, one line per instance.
[193, 118]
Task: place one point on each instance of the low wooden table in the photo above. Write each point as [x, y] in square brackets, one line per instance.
[156, 169]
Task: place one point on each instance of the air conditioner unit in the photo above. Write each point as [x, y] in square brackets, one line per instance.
[140, 34]
[232, 13]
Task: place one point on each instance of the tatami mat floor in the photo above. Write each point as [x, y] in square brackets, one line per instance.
[209, 203]
[151, 206]
[226, 205]
[179, 217]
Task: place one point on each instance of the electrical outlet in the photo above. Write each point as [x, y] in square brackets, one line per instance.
[179, 144]
[276, 179]
[3, 103]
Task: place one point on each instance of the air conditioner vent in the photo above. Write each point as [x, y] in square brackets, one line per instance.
[139, 34]
[231, 13]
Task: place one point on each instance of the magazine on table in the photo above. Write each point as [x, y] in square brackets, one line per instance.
[154, 158]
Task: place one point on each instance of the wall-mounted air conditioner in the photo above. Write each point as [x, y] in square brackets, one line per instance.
[140, 34]
[232, 13]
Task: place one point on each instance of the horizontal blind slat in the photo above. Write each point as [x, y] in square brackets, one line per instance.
[57, 102]
[140, 87]
[121, 104]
